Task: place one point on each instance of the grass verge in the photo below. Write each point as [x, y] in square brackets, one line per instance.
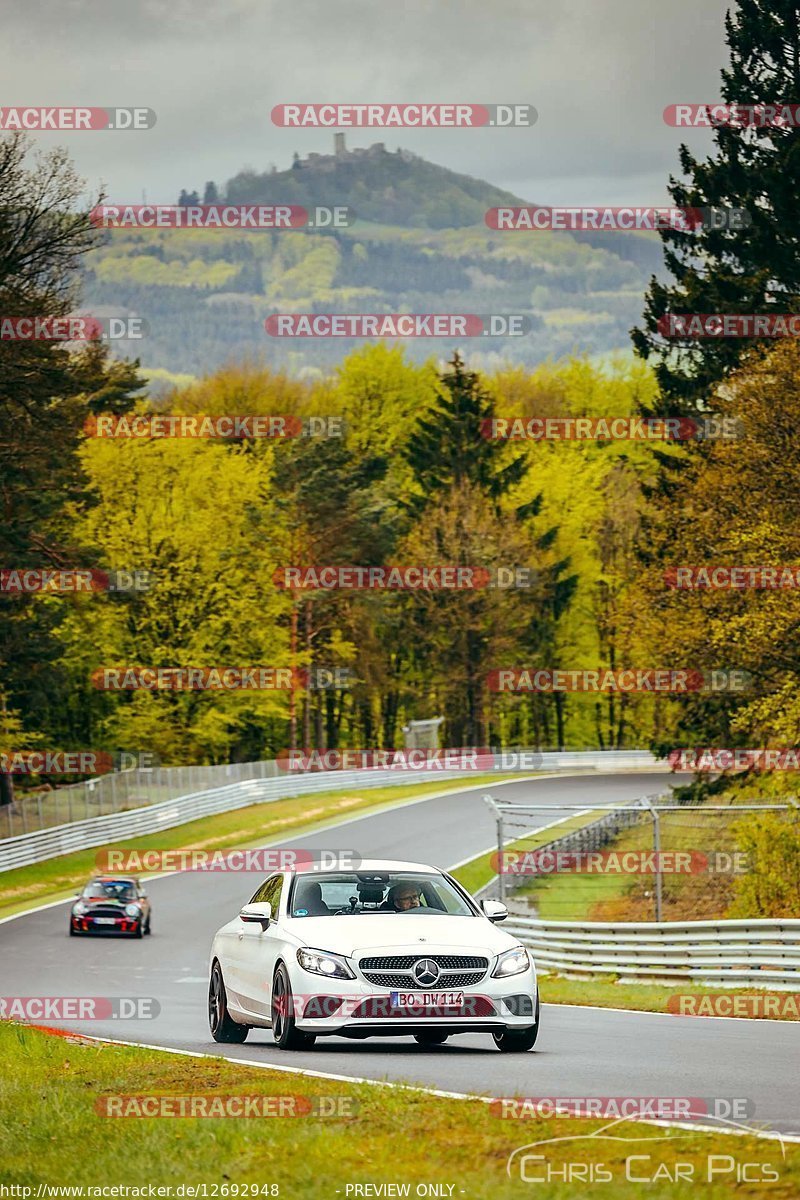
[51, 1089]
[59, 878]
[650, 997]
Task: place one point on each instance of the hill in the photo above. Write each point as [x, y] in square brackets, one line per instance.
[419, 244]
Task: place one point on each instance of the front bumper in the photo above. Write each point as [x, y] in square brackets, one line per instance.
[91, 925]
[356, 1008]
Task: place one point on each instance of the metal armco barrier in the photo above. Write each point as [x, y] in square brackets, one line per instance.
[97, 831]
[764, 953]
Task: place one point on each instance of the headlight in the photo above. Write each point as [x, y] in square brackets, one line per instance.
[321, 962]
[132, 910]
[513, 962]
[80, 908]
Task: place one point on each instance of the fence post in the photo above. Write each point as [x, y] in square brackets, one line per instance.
[657, 849]
[501, 883]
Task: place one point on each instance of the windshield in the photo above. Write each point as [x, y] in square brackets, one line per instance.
[110, 889]
[354, 892]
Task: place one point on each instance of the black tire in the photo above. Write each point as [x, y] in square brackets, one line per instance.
[284, 1027]
[512, 1041]
[431, 1037]
[72, 932]
[222, 1025]
[148, 930]
[140, 930]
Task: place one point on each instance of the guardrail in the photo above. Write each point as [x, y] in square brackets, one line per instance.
[28, 848]
[764, 953]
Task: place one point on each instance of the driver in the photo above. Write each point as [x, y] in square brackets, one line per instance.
[402, 897]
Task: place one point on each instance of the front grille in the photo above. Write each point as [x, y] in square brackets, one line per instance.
[447, 980]
[102, 911]
[404, 962]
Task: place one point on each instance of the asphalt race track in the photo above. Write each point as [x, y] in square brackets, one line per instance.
[580, 1052]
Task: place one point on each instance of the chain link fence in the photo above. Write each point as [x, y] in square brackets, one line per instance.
[651, 860]
[121, 791]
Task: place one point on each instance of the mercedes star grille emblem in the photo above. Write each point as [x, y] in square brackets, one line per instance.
[425, 971]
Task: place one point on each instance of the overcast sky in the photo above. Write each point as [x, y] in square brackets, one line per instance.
[599, 72]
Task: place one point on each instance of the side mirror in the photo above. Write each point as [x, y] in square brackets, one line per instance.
[494, 910]
[257, 914]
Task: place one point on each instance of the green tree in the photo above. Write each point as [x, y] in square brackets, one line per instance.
[331, 510]
[737, 506]
[212, 602]
[448, 450]
[725, 270]
[771, 886]
[46, 393]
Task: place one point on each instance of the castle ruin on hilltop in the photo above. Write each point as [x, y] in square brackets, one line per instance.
[327, 162]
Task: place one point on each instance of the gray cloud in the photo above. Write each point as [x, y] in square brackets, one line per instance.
[599, 72]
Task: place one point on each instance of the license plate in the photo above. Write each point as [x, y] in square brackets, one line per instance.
[426, 999]
[105, 920]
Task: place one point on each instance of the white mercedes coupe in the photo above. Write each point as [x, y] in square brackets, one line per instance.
[387, 949]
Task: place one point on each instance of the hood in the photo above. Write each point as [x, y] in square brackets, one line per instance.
[396, 933]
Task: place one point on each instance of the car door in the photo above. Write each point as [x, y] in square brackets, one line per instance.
[258, 950]
[234, 945]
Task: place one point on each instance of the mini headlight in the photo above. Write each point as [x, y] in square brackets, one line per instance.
[132, 910]
[80, 908]
[512, 962]
[321, 962]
